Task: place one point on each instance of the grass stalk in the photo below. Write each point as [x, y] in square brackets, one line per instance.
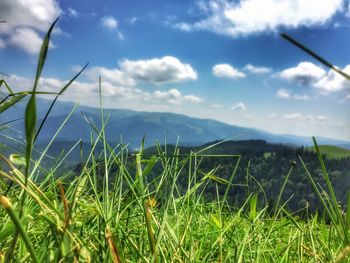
[6, 204]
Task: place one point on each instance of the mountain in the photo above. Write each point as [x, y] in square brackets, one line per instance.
[131, 126]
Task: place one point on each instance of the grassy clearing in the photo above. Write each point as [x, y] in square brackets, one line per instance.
[333, 152]
[136, 218]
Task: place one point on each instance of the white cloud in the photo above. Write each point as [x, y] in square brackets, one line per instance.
[283, 94]
[305, 73]
[26, 19]
[155, 71]
[287, 94]
[87, 92]
[109, 22]
[257, 70]
[227, 71]
[300, 97]
[217, 106]
[183, 27]
[240, 106]
[295, 117]
[114, 76]
[37, 14]
[26, 39]
[172, 96]
[245, 17]
[158, 70]
[72, 12]
[333, 81]
[322, 118]
[305, 118]
[192, 98]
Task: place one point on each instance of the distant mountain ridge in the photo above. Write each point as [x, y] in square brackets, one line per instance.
[131, 126]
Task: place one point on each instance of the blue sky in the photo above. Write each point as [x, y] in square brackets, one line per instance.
[215, 59]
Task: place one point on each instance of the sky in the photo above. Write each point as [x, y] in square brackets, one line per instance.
[213, 59]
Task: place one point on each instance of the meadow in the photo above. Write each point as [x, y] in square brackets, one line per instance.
[50, 217]
[333, 152]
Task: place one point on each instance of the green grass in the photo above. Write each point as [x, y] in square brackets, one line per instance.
[332, 152]
[139, 218]
[74, 220]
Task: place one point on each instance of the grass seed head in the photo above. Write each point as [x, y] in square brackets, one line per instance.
[5, 202]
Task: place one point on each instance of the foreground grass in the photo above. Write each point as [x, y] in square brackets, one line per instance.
[136, 221]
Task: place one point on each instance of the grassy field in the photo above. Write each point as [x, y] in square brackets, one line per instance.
[333, 152]
[133, 218]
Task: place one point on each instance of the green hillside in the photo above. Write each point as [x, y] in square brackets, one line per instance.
[333, 152]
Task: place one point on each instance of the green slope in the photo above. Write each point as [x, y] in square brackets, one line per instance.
[333, 152]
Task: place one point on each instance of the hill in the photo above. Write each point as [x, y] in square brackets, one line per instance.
[333, 152]
[131, 126]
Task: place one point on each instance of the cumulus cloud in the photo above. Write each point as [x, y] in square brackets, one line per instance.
[257, 70]
[25, 20]
[87, 91]
[305, 73]
[155, 71]
[287, 94]
[240, 106]
[333, 81]
[227, 71]
[244, 17]
[37, 14]
[26, 39]
[283, 94]
[114, 76]
[109, 22]
[172, 96]
[167, 69]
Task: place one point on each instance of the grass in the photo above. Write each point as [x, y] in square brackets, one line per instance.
[333, 152]
[138, 218]
[151, 221]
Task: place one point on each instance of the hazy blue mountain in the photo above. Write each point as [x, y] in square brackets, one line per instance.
[133, 125]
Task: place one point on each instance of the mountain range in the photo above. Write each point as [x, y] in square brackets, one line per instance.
[131, 126]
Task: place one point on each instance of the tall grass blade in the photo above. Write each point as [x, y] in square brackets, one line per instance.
[30, 113]
[9, 103]
[314, 55]
[282, 188]
[55, 99]
[5, 202]
[333, 198]
[146, 207]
